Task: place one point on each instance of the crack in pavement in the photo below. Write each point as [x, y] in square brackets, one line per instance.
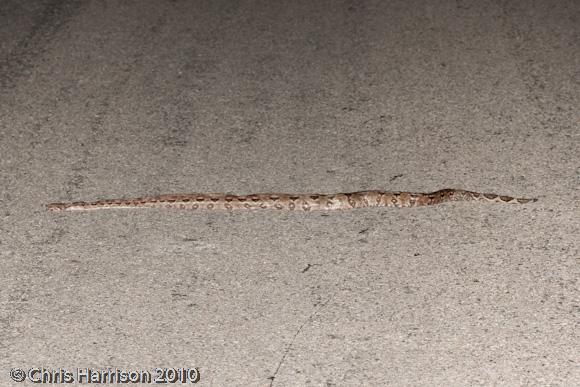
[289, 347]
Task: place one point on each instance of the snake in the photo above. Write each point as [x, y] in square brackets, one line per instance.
[291, 202]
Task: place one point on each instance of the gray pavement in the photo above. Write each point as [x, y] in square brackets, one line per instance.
[108, 99]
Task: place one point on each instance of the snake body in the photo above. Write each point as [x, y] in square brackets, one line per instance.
[291, 202]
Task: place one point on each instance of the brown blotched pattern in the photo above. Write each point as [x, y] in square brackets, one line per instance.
[291, 202]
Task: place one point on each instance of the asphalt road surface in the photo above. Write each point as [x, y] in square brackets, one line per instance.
[116, 99]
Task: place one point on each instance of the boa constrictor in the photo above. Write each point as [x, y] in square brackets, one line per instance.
[291, 202]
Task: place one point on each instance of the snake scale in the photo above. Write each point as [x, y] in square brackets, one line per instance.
[291, 202]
